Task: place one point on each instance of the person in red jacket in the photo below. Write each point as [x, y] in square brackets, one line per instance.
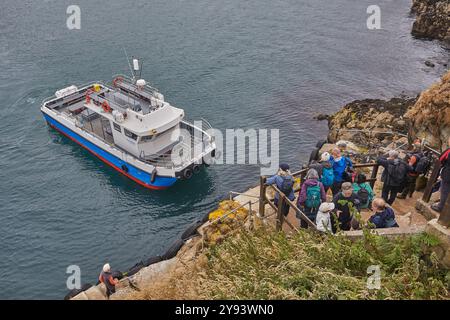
[107, 279]
[445, 179]
[411, 177]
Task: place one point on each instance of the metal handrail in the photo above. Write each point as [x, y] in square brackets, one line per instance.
[129, 80]
[83, 87]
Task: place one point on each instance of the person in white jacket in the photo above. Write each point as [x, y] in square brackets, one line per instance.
[323, 218]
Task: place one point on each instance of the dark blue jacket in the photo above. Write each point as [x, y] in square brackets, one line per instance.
[278, 180]
[384, 219]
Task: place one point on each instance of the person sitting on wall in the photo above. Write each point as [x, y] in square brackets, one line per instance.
[107, 279]
[384, 216]
[285, 183]
[445, 179]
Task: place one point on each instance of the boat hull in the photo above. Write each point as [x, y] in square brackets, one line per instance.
[139, 176]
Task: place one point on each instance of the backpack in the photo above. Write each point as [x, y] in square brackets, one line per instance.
[287, 185]
[313, 197]
[423, 164]
[327, 176]
[363, 195]
[397, 173]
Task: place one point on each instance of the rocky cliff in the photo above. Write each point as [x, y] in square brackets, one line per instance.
[429, 118]
[367, 121]
[432, 19]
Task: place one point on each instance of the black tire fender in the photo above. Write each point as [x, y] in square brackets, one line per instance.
[196, 169]
[314, 155]
[205, 218]
[152, 260]
[191, 230]
[320, 143]
[72, 293]
[117, 275]
[134, 269]
[173, 249]
[187, 173]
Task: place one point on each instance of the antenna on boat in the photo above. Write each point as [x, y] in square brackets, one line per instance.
[128, 61]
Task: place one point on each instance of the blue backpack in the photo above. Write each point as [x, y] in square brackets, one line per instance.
[327, 176]
[287, 185]
[313, 197]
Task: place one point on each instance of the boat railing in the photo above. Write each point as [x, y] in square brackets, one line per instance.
[190, 144]
[147, 88]
[82, 88]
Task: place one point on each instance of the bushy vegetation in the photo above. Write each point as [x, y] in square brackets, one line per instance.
[265, 264]
[269, 265]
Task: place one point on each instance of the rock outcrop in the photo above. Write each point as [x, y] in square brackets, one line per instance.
[429, 118]
[366, 122]
[432, 19]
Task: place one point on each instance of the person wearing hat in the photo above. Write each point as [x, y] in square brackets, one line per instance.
[311, 195]
[323, 218]
[347, 206]
[107, 279]
[285, 183]
[325, 170]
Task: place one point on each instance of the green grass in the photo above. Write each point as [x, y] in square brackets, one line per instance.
[267, 265]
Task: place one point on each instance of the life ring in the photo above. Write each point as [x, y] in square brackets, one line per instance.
[106, 107]
[88, 95]
[116, 81]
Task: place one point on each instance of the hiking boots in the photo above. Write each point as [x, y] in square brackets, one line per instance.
[435, 207]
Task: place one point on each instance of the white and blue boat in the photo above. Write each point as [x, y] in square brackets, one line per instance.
[129, 126]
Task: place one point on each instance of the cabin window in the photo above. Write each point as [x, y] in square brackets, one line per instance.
[117, 127]
[130, 134]
[149, 138]
[146, 138]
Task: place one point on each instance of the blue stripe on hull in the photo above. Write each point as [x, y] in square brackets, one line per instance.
[133, 172]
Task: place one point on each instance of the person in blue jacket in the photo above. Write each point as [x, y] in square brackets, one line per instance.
[341, 167]
[285, 183]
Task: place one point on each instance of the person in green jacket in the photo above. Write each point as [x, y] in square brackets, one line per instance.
[363, 190]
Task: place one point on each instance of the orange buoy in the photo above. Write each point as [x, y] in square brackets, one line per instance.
[106, 107]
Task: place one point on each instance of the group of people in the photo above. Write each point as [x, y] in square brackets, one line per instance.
[352, 192]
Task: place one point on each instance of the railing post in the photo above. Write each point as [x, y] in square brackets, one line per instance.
[262, 196]
[374, 175]
[431, 181]
[444, 217]
[280, 215]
